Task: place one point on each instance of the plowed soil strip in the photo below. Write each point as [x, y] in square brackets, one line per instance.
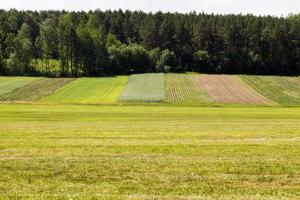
[230, 89]
[36, 90]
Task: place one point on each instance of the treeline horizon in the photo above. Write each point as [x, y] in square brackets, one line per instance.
[104, 43]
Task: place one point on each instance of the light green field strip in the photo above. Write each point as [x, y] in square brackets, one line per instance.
[283, 90]
[146, 152]
[36, 90]
[8, 84]
[185, 88]
[90, 90]
[144, 88]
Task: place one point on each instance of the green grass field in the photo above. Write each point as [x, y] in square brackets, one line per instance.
[185, 88]
[90, 90]
[149, 152]
[36, 90]
[283, 90]
[8, 84]
[144, 88]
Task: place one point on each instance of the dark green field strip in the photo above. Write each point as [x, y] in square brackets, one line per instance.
[145, 88]
[36, 90]
[282, 90]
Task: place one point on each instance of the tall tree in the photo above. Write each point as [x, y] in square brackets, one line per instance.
[48, 41]
[23, 50]
[68, 45]
[2, 67]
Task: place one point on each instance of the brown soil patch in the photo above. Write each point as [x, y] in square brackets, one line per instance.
[230, 89]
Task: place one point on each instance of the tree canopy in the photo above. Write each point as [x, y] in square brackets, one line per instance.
[98, 43]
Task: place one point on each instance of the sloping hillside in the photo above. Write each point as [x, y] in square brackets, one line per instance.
[197, 89]
[9, 84]
[283, 90]
[36, 90]
[144, 88]
[90, 90]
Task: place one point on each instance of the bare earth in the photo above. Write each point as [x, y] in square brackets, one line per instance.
[230, 89]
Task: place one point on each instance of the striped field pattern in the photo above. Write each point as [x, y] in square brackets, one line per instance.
[185, 88]
[36, 90]
[144, 88]
[90, 90]
[231, 90]
[283, 90]
[9, 84]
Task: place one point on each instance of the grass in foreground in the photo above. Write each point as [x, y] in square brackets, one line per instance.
[149, 152]
[144, 88]
[9, 84]
[90, 90]
[283, 90]
[36, 90]
[185, 88]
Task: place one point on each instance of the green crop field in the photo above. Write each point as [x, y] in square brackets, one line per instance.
[90, 90]
[283, 90]
[36, 90]
[8, 84]
[185, 88]
[144, 88]
[149, 152]
[55, 147]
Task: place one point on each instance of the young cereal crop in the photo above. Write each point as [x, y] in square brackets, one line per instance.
[9, 84]
[90, 90]
[144, 88]
[185, 88]
[283, 90]
[36, 90]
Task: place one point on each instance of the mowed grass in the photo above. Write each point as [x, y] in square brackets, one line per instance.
[283, 90]
[144, 88]
[8, 84]
[185, 88]
[90, 90]
[149, 152]
[36, 90]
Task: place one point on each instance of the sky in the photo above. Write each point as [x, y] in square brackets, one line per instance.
[256, 7]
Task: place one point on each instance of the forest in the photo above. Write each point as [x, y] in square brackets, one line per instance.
[106, 43]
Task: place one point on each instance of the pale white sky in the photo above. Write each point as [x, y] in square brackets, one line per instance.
[258, 7]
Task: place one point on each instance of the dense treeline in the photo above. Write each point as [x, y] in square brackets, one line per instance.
[97, 43]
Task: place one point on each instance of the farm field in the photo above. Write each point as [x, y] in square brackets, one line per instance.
[231, 90]
[90, 90]
[144, 88]
[8, 84]
[197, 89]
[185, 88]
[149, 152]
[283, 90]
[36, 90]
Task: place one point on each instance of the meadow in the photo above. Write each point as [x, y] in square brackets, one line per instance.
[150, 136]
[153, 151]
